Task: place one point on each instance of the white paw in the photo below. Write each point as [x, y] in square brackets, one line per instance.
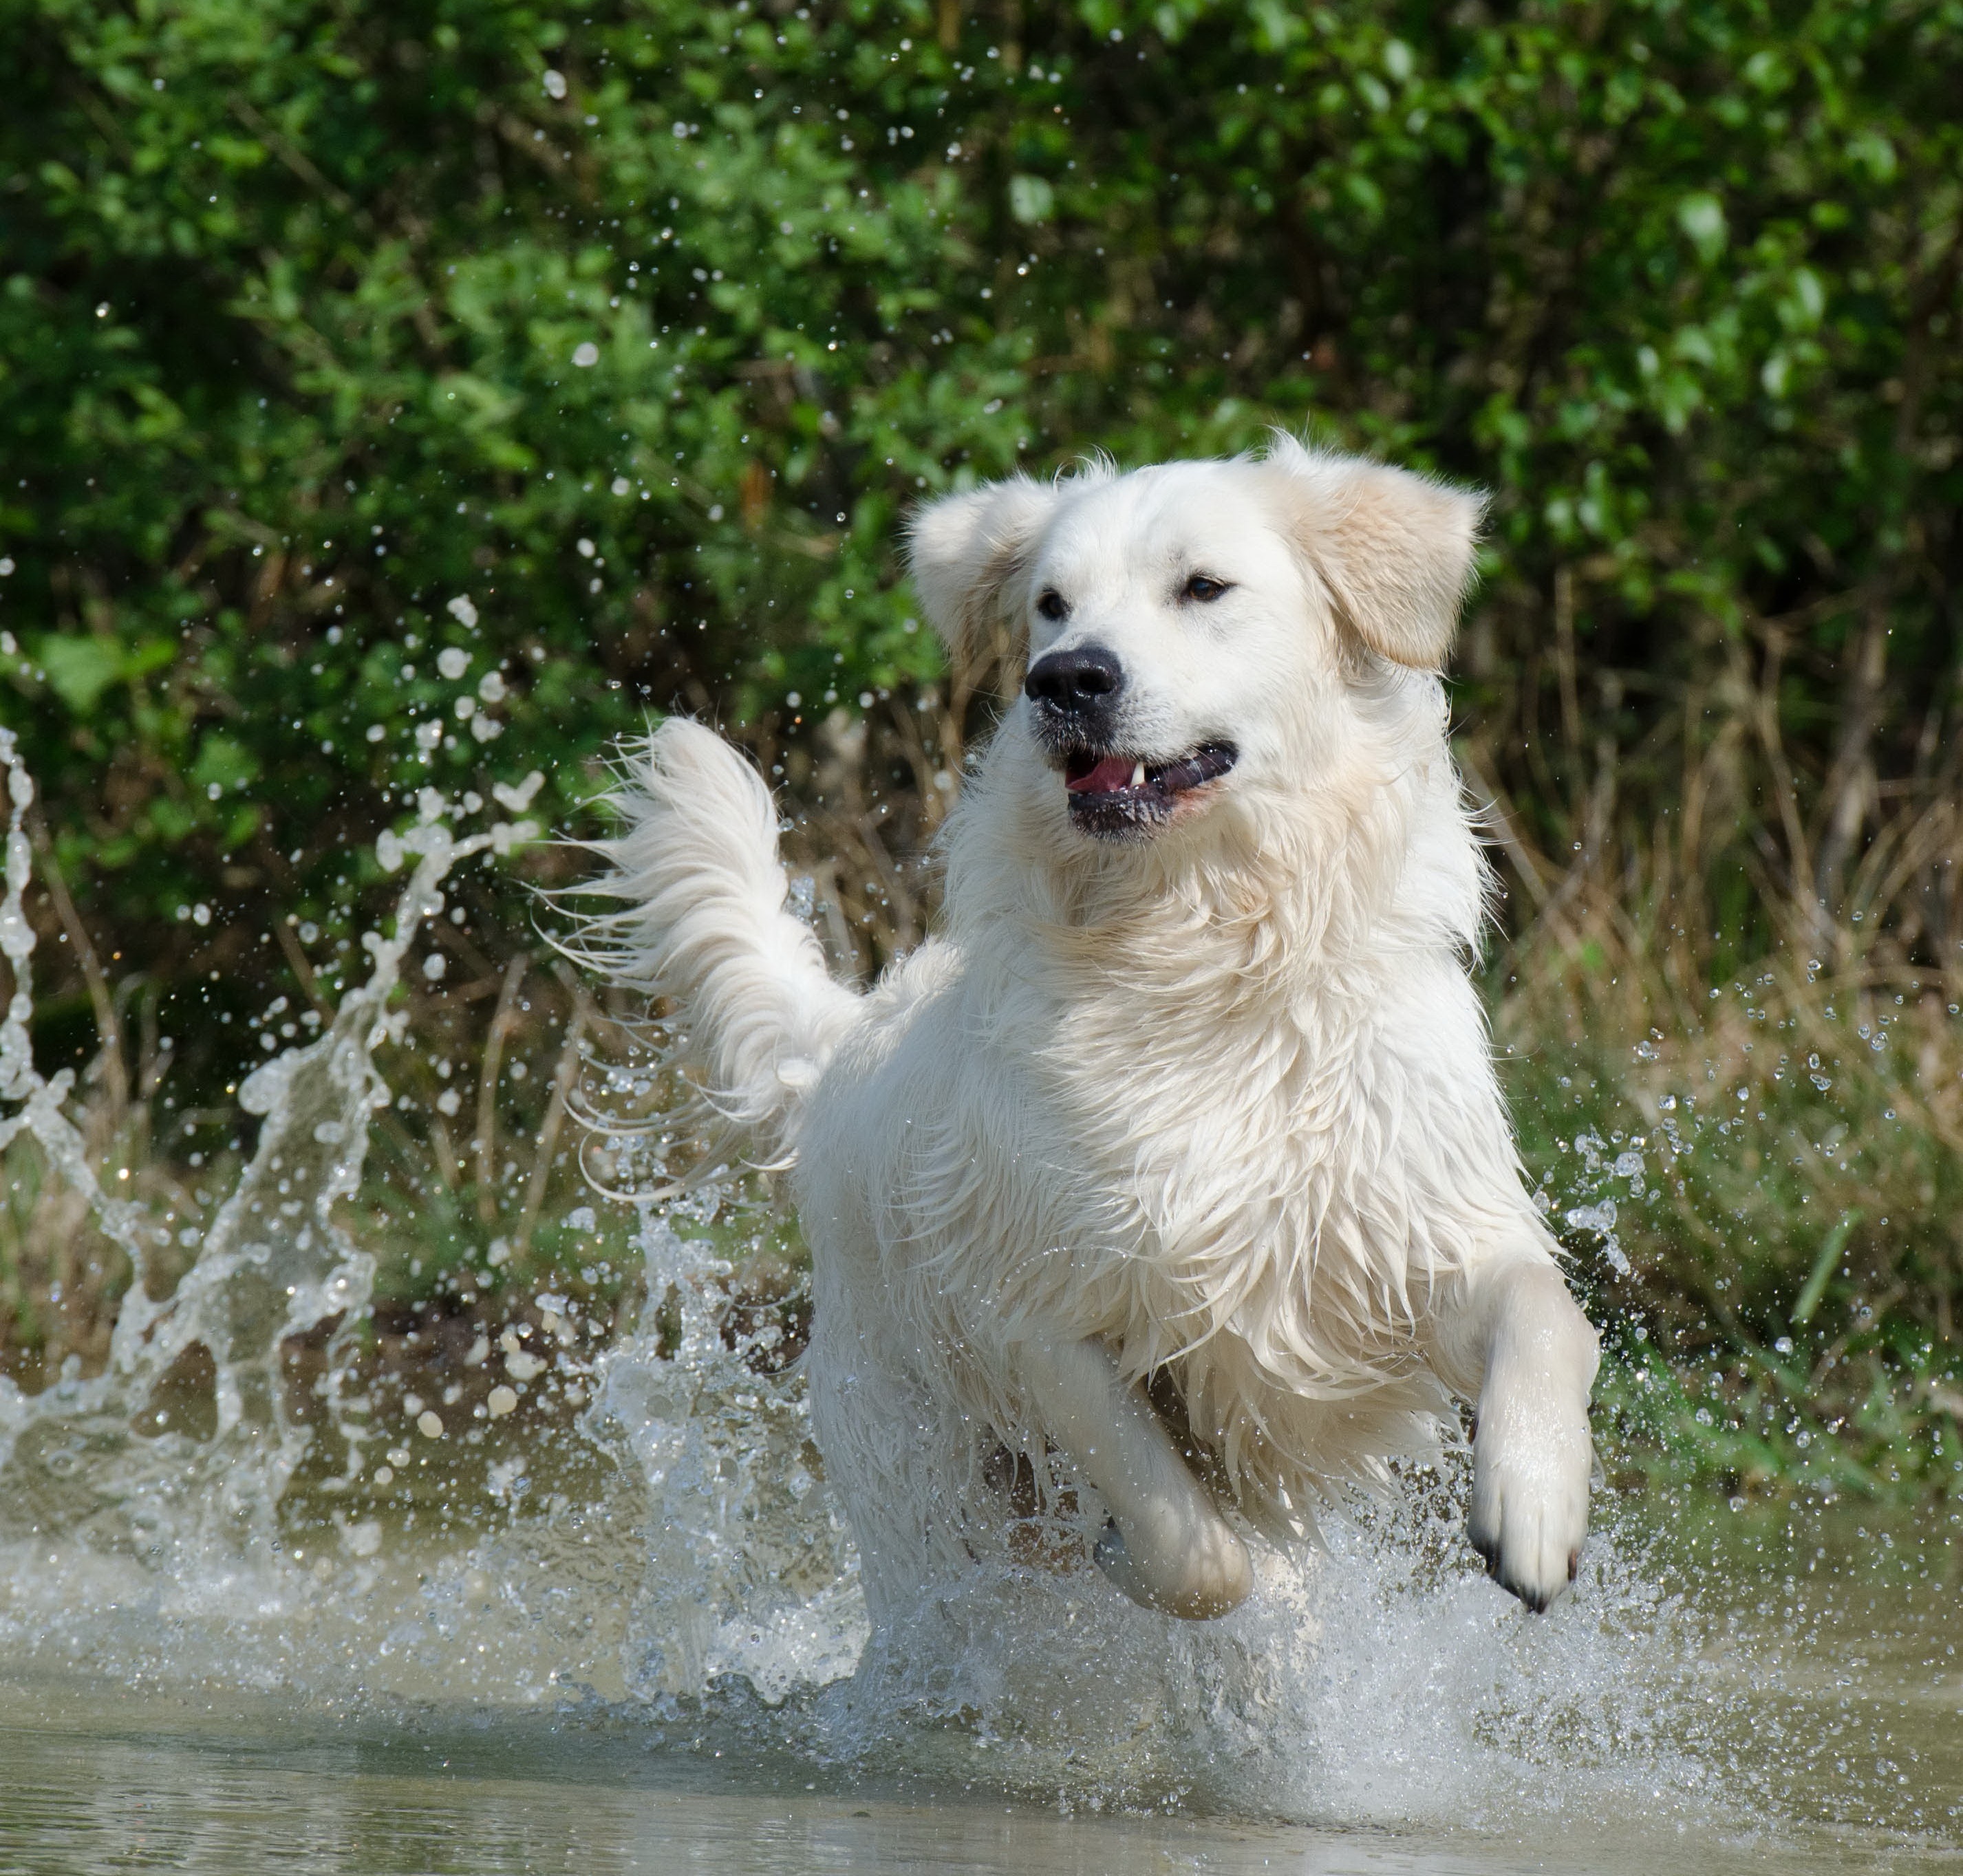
[1532, 1454]
[1205, 1579]
[1529, 1509]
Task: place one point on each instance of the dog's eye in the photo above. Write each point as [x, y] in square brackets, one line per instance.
[1205, 590]
[1051, 606]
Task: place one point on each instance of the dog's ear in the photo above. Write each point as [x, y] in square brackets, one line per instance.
[1394, 549]
[966, 550]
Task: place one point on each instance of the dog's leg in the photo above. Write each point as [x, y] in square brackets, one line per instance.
[895, 1452]
[1530, 1355]
[1167, 1547]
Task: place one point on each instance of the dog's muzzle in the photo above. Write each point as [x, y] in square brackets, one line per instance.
[1115, 792]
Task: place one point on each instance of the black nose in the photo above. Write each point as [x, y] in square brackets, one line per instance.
[1076, 681]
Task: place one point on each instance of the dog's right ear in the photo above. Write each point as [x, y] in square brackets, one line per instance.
[966, 552]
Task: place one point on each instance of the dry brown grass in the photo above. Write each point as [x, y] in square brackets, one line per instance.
[1777, 1037]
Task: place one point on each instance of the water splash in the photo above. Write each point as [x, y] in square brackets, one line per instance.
[750, 1569]
[724, 1556]
[275, 1262]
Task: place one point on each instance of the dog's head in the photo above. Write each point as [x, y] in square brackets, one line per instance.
[1201, 627]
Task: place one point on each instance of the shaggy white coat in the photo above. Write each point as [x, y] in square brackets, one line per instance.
[1213, 1109]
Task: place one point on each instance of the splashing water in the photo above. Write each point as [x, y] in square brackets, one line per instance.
[756, 1576]
[743, 1567]
[275, 1262]
[672, 1559]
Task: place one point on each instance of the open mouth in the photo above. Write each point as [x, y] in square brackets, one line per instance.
[1127, 795]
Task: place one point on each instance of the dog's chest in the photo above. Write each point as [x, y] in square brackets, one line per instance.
[1196, 1128]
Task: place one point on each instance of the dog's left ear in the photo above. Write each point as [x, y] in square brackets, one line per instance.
[966, 552]
[1394, 549]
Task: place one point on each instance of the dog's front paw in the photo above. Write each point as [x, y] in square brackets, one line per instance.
[1529, 1509]
[1532, 1454]
[1197, 1582]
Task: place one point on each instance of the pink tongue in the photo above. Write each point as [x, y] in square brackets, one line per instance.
[1113, 773]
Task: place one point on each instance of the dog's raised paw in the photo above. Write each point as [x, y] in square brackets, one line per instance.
[1532, 1453]
[1528, 1523]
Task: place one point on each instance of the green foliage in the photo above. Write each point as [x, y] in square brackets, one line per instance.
[1764, 1202]
[641, 332]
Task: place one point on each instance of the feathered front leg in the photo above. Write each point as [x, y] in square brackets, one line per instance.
[1167, 1547]
[1514, 1340]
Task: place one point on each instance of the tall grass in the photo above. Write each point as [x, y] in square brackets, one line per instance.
[1736, 1064]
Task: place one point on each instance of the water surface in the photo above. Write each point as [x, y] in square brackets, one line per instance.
[1785, 1694]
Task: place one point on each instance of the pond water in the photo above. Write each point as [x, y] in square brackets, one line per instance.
[1747, 1690]
[599, 1614]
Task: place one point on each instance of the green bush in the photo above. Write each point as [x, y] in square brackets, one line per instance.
[299, 298]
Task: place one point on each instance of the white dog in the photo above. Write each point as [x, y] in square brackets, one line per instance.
[1191, 1093]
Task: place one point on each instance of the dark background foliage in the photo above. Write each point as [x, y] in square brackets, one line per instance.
[607, 349]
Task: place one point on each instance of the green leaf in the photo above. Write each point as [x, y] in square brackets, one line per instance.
[81, 668]
[224, 763]
[1702, 217]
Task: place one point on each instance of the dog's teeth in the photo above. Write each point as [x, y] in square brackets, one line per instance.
[1137, 775]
